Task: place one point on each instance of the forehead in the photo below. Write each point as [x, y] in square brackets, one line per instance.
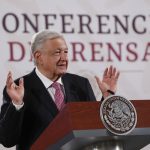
[55, 43]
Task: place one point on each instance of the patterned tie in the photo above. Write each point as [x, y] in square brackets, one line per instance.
[58, 96]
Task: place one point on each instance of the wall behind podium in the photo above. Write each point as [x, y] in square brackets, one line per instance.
[99, 33]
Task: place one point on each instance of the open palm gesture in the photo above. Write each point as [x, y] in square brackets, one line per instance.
[109, 81]
[15, 92]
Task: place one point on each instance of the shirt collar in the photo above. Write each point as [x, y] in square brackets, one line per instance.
[47, 82]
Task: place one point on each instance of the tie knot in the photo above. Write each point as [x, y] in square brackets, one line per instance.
[56, 85]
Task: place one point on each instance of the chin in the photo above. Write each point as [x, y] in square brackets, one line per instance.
[62, 72]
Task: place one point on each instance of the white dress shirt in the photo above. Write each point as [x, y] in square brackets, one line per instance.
[47, 83]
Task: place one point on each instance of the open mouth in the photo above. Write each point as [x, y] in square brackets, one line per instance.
[62, 66]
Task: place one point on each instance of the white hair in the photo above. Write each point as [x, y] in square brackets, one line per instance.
[40, 37]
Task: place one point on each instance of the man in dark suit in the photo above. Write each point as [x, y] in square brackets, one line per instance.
[29, 103]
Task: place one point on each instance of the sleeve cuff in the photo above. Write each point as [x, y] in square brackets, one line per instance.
[18, 107]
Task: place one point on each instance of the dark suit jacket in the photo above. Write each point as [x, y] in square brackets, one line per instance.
[23, 127]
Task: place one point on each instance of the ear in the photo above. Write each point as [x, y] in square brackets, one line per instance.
[37, 57]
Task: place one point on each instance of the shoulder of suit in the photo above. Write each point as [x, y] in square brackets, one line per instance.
[74, 76]
[30, 79]
[27, 76]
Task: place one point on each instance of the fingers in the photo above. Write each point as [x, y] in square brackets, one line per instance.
[117, 75]
[10, 83]
[21, 82]
[9, 80]
[106, 72]
[111, 72]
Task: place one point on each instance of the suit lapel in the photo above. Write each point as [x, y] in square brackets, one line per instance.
[70, 89]
[41, 92]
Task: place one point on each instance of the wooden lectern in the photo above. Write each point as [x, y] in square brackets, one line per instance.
[79, 125]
